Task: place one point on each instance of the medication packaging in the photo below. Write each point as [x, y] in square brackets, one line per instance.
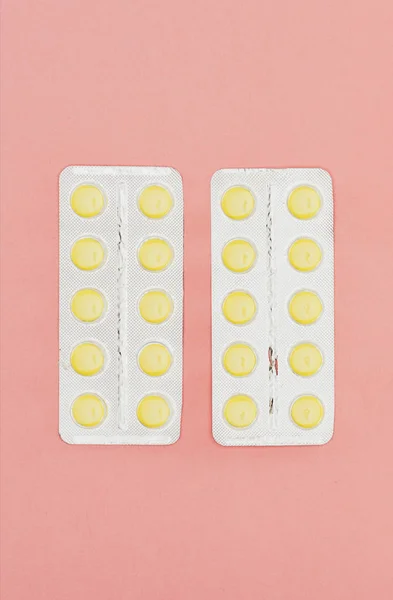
[121, 305]
[272, 307]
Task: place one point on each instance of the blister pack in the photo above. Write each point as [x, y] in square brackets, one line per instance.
[121, 305]
[272, 307]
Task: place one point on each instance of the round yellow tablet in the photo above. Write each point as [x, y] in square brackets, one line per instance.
[155, 254]
[304, 202]
[87, 201]
[238, 203]
[155, 306]
[240, 411]
[305, 255]
[239, 360]
[239, 308]
[153, 411]
[87, 305]
[305, 359]
[238, 256]
[155, 202]
[88, 410]
[87, 359]
[307, 412]
[87, 254]
[305, 307]
[155, 359]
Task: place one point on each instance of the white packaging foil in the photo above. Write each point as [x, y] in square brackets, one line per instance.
[272, 282]
[121, 332]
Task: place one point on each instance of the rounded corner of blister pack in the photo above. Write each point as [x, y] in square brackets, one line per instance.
[175, 439]
[281, 310]
[218, 439]
[114, 301]
[65, 172]
[177, 176]
[216, 176]
[65, 438]
[325, 173]
[328, 438]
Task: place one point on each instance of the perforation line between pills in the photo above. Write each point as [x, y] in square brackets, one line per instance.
[122, 305]
[272, 332]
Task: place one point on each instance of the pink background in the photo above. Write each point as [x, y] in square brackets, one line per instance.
[199, 86]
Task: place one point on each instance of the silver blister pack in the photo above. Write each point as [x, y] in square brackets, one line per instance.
[121, 305]
[272, 307]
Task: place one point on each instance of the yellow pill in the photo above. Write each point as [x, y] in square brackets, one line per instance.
[153, 411]
[307, 412]
[239, 308]
[240, 411]
[155, 254]
[155, 202]
[305, 359]
[87, 201]
[88, 305]
[305, 307]
[304, 202]
[87, 254]
[155, 306]
[239, 360]
[87, 359]
[238, 256]
[304, 255]
[238, 203]
[155, 359]
[88, 410]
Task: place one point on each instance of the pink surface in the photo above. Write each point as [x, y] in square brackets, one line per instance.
[199, 86]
